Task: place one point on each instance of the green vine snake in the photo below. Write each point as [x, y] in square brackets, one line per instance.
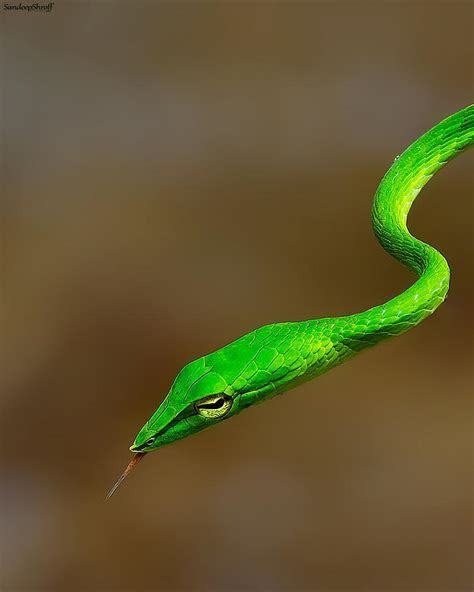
[277, 357]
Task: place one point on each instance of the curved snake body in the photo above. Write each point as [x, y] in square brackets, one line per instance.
[277, 357]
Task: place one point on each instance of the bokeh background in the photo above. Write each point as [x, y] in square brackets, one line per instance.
[175, 175]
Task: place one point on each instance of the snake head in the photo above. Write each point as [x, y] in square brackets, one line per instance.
[219, 385]
[199, 397]
[223, 383]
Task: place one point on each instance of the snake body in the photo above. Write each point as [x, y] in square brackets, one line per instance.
[277, 357]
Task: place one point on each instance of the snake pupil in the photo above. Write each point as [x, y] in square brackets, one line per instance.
[217, 404]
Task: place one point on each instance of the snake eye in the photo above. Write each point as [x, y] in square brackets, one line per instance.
[214, 406]
[150, 441]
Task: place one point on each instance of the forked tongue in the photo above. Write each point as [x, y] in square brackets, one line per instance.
[131, 465]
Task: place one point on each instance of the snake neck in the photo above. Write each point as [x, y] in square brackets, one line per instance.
[393, 200]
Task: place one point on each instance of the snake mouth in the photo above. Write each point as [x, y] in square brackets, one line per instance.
[138, 449]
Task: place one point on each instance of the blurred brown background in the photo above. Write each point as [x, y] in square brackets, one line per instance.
[175, 175]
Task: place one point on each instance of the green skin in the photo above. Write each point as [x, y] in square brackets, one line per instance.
[278, 357]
